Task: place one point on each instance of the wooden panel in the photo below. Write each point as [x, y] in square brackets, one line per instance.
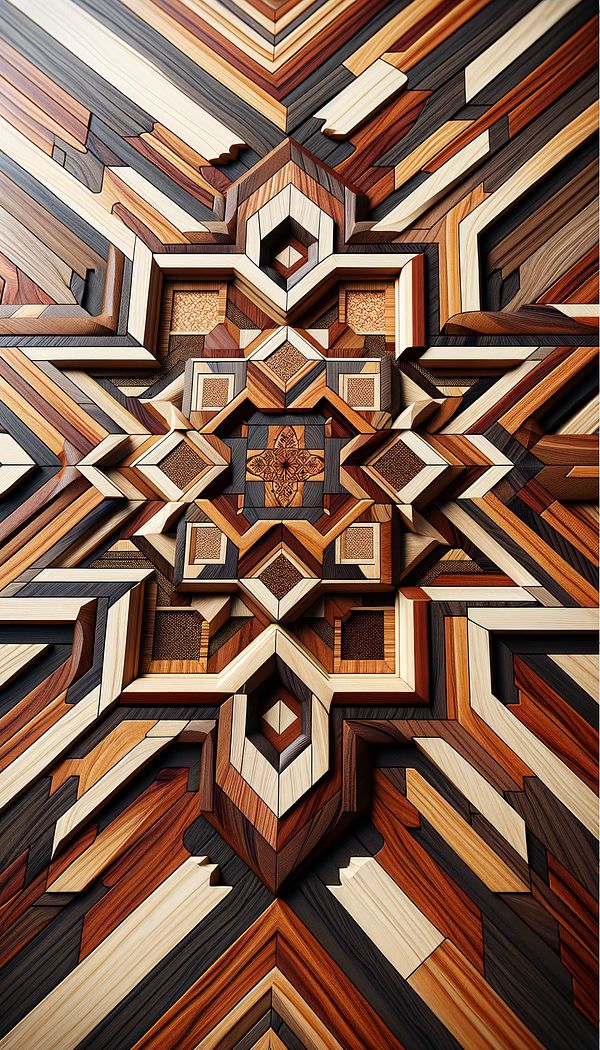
[298, 524]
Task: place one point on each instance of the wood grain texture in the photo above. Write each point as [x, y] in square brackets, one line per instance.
[298, 524]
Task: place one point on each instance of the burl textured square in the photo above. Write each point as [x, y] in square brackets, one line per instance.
[298, 525]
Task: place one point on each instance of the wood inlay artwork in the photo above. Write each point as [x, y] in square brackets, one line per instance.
[298, 525]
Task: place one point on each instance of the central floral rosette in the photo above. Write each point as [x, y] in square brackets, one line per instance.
[285, 465]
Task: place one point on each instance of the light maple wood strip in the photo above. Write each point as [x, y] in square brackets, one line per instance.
[478, 790]
[92, 799]
[319, 739]
[355, 103]
[276, 989]
[542, 162]
[15, 657]
[133, 74]
[48, 747]
[165, 207]
[543, 555]
[140, 289]
[385, 913]
[458, 690]
[66, 187]
[135, 211]
[231, 26]
[181, 157]
[428, 149]
[295, 1011]
[482, 594]
[585, 420]
[435, 185]
[467, 1005]
[450, 262]
[99, 356]
[459, 358]
[318, 19]
[210, 60]
[583, 668]
[268, 56]
[295, 780]
[269, 1041]
[439, 31]
[508, 47]
[461, 837]
[551, 770]
[54, 395]
[490, 546]
[103, 756]
[530, 621]
[131, 824]
[532, 400]
[262, 777]
[74, 1007]
[121, 643]
[39, 262]
[573, 528]
[41, 610]
[391, 31]
[60, 526]
[117, 412]
[36, 421]
[220, 1034]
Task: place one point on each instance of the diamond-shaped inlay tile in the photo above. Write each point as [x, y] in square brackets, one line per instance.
[280, 576]
[279, 717]
[182, 466]
[398, 465]
[286, 361]
[288, 256]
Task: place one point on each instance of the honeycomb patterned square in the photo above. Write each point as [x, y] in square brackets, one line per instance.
[207, 544]
[359, 543]
[365, 312]
[214, 392]
[360, 391]
[195, 313]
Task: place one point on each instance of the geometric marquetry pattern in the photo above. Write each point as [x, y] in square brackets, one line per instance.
[298, 525]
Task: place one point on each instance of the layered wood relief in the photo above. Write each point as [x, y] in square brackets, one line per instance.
[298, 483]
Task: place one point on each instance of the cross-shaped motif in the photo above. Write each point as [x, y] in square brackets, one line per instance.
[285, 465]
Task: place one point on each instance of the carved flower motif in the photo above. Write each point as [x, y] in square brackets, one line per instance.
[285, 465]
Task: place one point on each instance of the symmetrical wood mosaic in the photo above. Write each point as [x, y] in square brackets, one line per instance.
[298, 483]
